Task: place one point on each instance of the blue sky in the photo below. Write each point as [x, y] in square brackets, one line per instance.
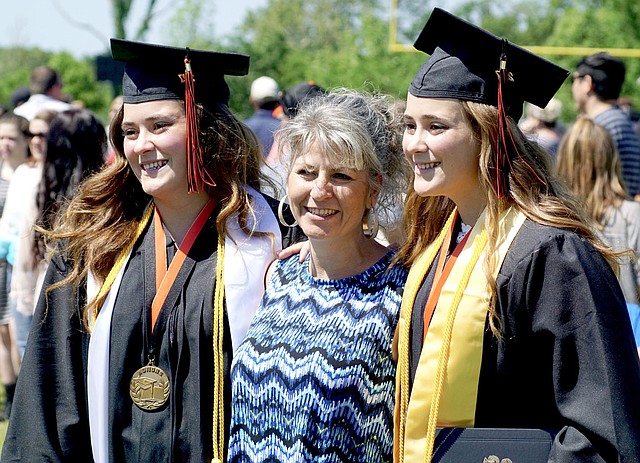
[55, 24]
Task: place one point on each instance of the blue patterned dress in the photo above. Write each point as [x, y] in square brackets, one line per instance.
[314, 378]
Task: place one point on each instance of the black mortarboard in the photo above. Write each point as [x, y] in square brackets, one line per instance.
[158, 72]
[152, 72]
[464, 65]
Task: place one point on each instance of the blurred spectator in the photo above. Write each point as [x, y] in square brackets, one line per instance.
[264, 98]
[14, 150]
[75, 148]
[115, 106]
[589, 163]
[542, 126]
[17, 217]
[45, 87]
[596, 84]
[294, 96]
[626, 104]
[19, 96]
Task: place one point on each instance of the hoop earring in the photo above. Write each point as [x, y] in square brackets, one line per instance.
[370, 225]
[281, 214]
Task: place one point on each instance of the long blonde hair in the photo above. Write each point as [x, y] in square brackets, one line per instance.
[102, 219]
[532, 188]
[588, 161]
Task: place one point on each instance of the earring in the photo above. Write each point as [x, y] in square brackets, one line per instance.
[281, 213]
[370, 225]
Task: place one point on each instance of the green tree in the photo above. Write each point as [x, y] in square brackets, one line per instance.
[564, 23]
[605, 24]
[334, 43]
[345, 43]
[15, 67]
[78, 76]
[121, 14]
[79, 79]
[192, 25]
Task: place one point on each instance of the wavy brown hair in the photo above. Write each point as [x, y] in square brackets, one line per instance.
[103, 217]
[588, 161]
[533, 188]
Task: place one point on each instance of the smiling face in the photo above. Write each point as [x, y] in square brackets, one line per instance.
[327, 200]
[440, 145]
[155, 146]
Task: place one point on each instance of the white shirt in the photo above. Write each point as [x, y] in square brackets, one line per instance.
[40, 102]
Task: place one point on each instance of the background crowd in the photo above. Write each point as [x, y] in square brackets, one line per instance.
[565, 197]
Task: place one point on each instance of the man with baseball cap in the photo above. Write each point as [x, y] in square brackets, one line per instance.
[264, 97]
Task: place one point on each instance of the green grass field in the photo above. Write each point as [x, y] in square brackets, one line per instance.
[3, 424]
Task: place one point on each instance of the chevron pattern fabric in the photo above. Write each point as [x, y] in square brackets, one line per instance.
[314, 379]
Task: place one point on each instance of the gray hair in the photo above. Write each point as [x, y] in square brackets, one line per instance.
[357, 130]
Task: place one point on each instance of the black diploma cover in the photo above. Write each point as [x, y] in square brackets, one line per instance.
[492, 445]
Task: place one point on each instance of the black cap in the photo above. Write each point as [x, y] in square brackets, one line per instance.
[464, 62]
[607, 73]
[152, 72]
[293, 97]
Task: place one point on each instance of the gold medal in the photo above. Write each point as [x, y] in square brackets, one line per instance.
[149, 388]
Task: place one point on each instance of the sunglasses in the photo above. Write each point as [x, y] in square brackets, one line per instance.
[38, 135]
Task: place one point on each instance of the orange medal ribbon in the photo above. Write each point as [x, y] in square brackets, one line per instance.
[165, 277]
[442, 273]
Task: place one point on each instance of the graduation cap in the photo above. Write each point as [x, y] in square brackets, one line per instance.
[465, 63]
[156, 72]
[159, 72]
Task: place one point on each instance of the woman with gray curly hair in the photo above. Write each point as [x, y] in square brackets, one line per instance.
[314, 377]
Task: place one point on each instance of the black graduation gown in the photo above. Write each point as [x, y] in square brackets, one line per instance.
[567, 361]
[181, 431]
[49, 420]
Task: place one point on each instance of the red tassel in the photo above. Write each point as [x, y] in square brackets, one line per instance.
[503, 160]
[502, 153]
[196, 173]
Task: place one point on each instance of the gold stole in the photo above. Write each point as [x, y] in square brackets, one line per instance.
[449, 366]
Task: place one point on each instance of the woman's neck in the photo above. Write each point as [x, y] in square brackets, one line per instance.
[471, 205]
[178, 216]
[333, 261]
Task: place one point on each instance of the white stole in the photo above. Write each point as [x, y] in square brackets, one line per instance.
[245, 264]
